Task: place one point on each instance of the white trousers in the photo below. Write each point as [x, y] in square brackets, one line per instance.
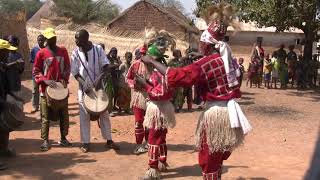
[104, 121]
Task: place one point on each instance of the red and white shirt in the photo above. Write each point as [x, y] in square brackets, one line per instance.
[50, 67]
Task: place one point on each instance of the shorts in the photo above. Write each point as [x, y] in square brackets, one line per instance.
[267, 76]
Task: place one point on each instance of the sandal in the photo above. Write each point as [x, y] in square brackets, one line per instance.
[45, 146]
[85, 148]
[64, 143]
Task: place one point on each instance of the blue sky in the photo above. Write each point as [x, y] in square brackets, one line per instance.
[189, 5]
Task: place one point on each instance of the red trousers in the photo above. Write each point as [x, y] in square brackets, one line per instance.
[157, 147]
[211, 163]
[140, 132]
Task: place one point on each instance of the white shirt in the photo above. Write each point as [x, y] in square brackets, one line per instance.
[96, 60]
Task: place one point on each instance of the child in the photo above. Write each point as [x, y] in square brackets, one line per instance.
[253, 73]
[267, 71]
[242, 71]
[283, 71]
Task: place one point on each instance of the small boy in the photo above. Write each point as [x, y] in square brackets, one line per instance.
[241, 67]
[267, 71]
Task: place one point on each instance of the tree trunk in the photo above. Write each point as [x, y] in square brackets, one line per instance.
[308, 44]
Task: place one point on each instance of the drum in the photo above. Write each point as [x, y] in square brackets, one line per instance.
[11, 118]
[96, 103]
[57, 98]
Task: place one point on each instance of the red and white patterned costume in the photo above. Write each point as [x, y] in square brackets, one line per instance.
[219, 130]
[159, 116]
[138, 99]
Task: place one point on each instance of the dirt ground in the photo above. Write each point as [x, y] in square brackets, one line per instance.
[286, 125]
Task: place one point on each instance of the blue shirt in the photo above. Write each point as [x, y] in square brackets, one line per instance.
[13, 73]
[33, 53]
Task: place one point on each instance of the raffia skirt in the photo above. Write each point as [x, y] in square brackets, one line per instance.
[159, 114]
[214, 125]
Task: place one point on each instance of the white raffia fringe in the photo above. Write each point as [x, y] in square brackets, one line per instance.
[214, 125]
[152, 174]
[159, 114]
[138, 99]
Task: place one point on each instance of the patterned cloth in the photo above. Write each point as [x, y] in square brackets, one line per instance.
[138, 96]
[209, 73]
[232, 72]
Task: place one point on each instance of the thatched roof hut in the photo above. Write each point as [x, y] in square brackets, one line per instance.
[16, 25]
[117, 33]
[44, 12]
[134, 20]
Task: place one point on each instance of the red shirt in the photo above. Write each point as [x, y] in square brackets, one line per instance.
[48, 67]
[208, 73]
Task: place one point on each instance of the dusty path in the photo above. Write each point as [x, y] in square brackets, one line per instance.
[286, 125]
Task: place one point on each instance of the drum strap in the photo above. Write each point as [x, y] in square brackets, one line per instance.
[84, 66]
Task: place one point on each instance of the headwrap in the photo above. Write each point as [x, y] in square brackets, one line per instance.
[219, 17]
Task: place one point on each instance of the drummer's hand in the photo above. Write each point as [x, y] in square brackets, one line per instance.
[140, 81]
[64, 83]
[87, 88]
[51, 83]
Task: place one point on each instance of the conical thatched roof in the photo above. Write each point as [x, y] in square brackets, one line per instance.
[172, 15]
[44, 12]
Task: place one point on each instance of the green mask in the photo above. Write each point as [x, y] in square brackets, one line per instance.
[154, 51]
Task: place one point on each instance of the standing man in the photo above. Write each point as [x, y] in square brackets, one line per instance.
[115, 73]
[258, 55]
[89, 65]
[52, 65]
[138, 101]
[178, 97]
[222, 125]
[5, 47]
[35, 88]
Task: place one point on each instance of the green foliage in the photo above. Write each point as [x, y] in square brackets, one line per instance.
[282, 14]
[83, 11]
[11, 6]
[170, 3]
[14, 6]
[32, 6]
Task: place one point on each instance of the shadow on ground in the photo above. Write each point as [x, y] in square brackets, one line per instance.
[314, 94]
[30, 166]
[275, 111]
[192, 171]
[127, 148]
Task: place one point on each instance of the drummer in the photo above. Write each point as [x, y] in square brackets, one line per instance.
[5, 151]
[89, 64]
[52, 65]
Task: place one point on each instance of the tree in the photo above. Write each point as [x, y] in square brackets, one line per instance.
[170, 3]
[203, 4]
[31, 7]
[84, 11]
[14, 6]
[11, 6]
[282, 14]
